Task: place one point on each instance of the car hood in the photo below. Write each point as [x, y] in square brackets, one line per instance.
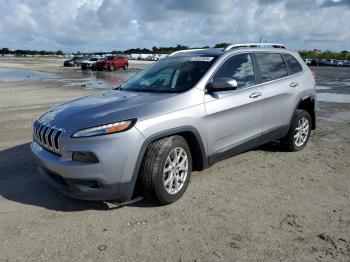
[107, 107]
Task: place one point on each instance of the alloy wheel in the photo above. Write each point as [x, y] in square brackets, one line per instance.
[175, 170]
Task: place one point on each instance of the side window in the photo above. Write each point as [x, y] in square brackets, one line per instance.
[271, 66]
[293, 65]
[239, 68]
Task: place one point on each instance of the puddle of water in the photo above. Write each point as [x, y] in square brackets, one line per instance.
[14, 74]
[333, 98]
[338, 117]
[322, 88]
[99, 79]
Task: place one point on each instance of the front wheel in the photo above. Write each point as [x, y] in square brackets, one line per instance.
[299, 132]
[111, 68]
[166, 170]
[125, 67]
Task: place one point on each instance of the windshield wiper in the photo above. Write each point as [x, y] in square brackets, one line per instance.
[152, 90]
[118, 88]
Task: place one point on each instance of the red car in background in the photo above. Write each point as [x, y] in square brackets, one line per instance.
[111, 63]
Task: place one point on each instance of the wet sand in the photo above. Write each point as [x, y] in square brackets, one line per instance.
[263, 205]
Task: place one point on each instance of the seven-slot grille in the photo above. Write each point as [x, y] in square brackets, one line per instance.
[47, 136]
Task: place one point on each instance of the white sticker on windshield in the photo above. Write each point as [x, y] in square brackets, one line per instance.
[202, 58]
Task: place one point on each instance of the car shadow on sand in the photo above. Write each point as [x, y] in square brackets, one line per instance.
[20, 182]
[274, 146]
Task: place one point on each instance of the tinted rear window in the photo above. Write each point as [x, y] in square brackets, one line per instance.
[293, 65]
[271, 66]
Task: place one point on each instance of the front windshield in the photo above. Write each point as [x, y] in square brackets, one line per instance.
[172, 74]
[93, 59]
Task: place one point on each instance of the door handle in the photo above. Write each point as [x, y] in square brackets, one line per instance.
[294, 84]
[255, 95]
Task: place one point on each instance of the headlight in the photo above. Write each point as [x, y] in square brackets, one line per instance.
[105, 129]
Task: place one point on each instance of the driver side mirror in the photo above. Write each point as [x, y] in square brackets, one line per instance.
[221, 84]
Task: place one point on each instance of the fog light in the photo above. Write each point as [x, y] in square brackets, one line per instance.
[84, 157]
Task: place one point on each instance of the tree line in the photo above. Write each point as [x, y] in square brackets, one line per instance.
[343, 55]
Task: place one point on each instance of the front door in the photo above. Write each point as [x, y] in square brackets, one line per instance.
[234, 117]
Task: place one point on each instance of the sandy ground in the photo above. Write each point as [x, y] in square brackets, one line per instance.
[263, 205]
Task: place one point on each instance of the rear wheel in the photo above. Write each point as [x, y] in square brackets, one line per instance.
[126, 67]
[299, 132]
[111, 68]
[166, 170]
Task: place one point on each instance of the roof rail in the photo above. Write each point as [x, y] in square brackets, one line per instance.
[255, 45]
[185, 51]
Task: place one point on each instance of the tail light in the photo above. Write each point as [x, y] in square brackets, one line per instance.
[314, 74]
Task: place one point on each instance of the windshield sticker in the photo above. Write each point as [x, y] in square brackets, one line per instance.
[202, 58]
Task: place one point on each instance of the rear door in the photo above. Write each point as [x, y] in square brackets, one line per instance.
[116, 62]
[120, 61]
[234, 117]
[279, 89]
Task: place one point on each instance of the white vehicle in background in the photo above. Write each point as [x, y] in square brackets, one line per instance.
[340, 63]
[343, 63]
[152, 58]
[133, 56]
[87, 64]
[308, 61]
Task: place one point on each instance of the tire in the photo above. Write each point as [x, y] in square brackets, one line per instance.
[157, 184]
[111, 68]
[297, 139]
[125, 67]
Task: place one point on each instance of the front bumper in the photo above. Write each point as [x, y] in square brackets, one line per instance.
[69, 64]
[101, 66]
[112, 178]
[85, 66]
[87, 189]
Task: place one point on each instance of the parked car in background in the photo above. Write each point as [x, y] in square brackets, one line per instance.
[319, 62]
[326, 62]
[87, 64]
[74, 61]
[330, 62]
[308, 61]
[111, 63]
[152, 58]
[313, 62]
[346, 63]
[343, 63]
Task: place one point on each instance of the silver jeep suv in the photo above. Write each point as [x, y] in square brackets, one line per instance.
[183, 113]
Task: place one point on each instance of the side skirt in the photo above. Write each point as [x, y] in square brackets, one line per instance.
[265, 137]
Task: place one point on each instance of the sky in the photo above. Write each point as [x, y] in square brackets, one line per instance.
[105, 25]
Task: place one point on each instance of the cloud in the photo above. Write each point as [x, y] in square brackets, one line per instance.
[94, 25]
